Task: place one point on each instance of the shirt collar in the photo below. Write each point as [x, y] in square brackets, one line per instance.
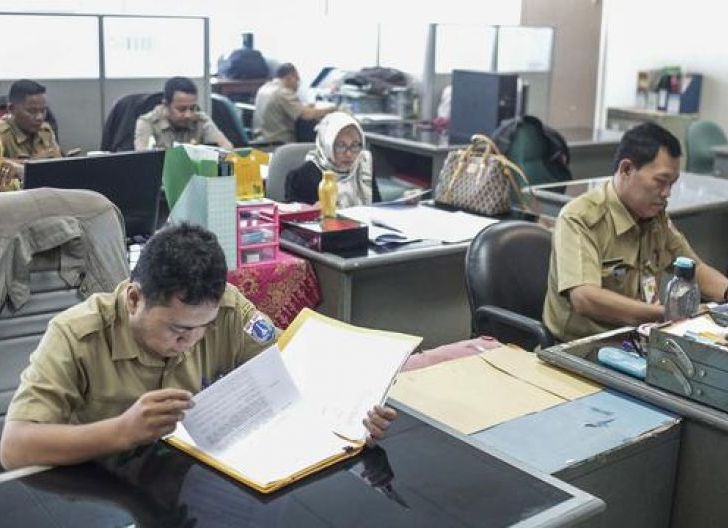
[623, 219]
[20, 135]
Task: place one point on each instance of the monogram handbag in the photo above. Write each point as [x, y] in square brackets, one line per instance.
[479, 179]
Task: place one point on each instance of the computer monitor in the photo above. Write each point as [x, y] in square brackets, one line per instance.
[131, 180]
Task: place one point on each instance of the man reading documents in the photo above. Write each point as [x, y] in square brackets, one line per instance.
[119, 370]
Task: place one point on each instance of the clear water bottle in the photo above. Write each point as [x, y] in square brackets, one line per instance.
[682, 298]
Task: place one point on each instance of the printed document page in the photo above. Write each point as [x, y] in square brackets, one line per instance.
[342, 372]
[422, 222]
[242, 401]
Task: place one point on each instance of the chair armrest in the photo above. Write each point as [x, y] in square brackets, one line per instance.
[515, 320]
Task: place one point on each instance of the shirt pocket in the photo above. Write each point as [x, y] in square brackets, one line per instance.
[617, 276]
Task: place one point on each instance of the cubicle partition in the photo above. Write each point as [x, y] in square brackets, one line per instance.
[87, 62]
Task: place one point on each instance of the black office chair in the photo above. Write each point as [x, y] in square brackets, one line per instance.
[506, 275]
[118, 132]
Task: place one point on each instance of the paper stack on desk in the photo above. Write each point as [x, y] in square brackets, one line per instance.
[420, 222]
[285, 415]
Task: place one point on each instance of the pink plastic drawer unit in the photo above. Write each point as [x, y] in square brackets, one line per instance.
[257, 232]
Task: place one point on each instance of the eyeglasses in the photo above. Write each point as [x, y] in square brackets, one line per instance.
[354, 148]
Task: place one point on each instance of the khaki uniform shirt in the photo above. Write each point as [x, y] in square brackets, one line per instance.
[20, 145]
[88, 366]
[155, 125]
[278, 117]
[597, 241]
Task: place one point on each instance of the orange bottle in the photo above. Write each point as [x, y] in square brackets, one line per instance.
[327, 192]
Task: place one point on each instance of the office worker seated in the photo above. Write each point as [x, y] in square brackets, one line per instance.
[612, 244]
[24, 132]
[177, 119]
[118, 370]
[339, 148]
[277, 107]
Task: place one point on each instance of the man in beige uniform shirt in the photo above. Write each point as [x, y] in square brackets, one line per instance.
[178, 119]
[24, 133]
[277, 106]
[611, 245]
[119, 369]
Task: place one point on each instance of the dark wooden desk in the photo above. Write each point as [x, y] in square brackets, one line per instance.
[421, 476]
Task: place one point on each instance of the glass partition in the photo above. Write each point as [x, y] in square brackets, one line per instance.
[138, 47]
[60, 47]
[524, 49]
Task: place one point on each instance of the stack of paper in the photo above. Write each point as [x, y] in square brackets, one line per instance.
[422, 222]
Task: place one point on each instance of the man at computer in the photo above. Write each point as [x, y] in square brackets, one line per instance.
[612, 244]
[177, 119]
[118, 370]
[24, 132]
[277, 107]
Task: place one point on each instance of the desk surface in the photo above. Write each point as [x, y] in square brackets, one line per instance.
[584, 136]
[691, 193]
[420, 476]
[412, 135]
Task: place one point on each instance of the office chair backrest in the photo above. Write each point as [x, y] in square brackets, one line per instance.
[701, 136]
[507, 266]
[285, 159]
[228, 119]
[118, 132]
[34, 259]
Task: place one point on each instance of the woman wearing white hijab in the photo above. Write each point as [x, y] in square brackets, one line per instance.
[339, 148]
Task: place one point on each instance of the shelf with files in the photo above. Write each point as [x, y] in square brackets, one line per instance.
[257, 232]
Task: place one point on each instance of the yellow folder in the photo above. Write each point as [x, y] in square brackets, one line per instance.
[340, 371]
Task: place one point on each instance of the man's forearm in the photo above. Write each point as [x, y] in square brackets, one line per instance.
[712, 283]
[610, 307]
[28, 443]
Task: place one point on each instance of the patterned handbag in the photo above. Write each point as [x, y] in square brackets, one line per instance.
[479, 179]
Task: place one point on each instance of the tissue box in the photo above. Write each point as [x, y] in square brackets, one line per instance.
[339, 235]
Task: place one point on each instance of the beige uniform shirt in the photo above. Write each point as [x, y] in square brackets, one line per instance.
[278, 118]
[597, 241]
[88, 367]
[155, 125]
[20, 145]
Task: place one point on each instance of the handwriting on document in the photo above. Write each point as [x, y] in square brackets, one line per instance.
[243, 400]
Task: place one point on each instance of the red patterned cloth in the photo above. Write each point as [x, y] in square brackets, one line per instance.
[280, 288]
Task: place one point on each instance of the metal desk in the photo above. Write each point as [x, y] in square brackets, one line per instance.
[702, 474]
[409, 150]
[420, 476]
[698, 206]
[592, 151]
[720, 168]
[417, 289]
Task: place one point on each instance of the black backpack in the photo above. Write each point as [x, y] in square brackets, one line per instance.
[539, 150]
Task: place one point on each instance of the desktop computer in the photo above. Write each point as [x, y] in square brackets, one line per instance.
[131, 180]
[480, 102]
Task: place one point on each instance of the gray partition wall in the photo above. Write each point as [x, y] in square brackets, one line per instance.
[87, 62]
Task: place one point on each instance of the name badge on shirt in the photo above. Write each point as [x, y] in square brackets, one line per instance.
[259, 328]
[649, 289]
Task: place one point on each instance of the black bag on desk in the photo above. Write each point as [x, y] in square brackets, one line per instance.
[479, 179]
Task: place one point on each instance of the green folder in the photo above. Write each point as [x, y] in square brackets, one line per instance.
[179, 167]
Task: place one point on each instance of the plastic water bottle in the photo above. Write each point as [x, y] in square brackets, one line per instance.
[682, 299]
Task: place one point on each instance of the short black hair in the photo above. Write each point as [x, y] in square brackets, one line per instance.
[285, 69]
[178, 84]
[23, 88]
[181, 260]
[640, 145]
